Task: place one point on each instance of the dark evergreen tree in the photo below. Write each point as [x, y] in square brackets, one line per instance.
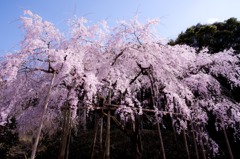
[216, 37]
[8, 137]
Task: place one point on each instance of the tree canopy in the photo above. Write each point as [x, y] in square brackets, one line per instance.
[126, 61]
[216, 37]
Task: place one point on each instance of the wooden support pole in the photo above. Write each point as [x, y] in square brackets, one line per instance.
[100, 139]
[201, 144]
[227, 142]
[136, 137]
[161, 141]
[194, 141]
[107, 149]
[69, 140]
[186, 144]
[175, 137]
[95, 138]
[63, 154]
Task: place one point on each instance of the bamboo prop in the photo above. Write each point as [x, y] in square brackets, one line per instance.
[69, 140]
[64, 130]
[95, 138]
[65, 113]
[140, 133]
[136, 138]
[201, 144]
[34, 149]
[134, 134]
[161, 141]
[174, 131]
[84, 121]
[107, 148]
[194, 141]
[100, 139]
[186, 144]
[150, 76]
[175, 137]
[65, 143]
[173, 127]
[66, 135]
[227, 142]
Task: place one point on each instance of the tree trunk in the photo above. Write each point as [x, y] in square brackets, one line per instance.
[34, 149]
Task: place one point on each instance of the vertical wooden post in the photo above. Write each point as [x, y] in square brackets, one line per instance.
[186, 144]
[107, 148]
[63, 154]
[34, 149]
[175, 137]
[69, 139]
[100, 139]
[150, 76]
[84, 120]
[201, 144]
[161, 141]
[195, 143]
[95, 138]
[227, 142]
[136, 137]
[65, 141]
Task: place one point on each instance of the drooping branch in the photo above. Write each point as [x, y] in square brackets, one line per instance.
[143, 71]
[115, 59]
[134, 79]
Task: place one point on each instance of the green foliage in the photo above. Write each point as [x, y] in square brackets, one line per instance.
[8, 137]
[216, 37]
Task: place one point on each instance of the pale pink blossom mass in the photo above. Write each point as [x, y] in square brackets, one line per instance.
[124, 59]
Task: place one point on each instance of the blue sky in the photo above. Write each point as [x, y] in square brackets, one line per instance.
[175, 15]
